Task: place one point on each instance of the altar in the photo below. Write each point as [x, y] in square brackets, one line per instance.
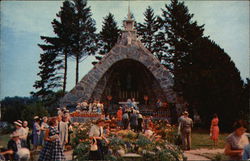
[125, 103]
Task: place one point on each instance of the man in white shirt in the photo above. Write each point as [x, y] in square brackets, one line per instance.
[63, 130]
[20, 130]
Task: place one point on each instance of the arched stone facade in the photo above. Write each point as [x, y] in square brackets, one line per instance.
[84, 89]
[128, 47]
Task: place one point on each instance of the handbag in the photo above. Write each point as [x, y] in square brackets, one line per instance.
[93, 145]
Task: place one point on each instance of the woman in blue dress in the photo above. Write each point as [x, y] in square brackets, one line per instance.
[36, 131]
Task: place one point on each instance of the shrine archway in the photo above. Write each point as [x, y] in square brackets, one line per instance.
[125, 79]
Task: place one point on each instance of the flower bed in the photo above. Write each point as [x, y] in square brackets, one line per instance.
[126, 141]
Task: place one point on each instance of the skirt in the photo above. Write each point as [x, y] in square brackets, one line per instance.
[52, 151]
[215, 132]
[98, 154]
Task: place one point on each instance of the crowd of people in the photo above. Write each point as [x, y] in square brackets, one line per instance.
[237, 143]
[51, 135]
[95, 106]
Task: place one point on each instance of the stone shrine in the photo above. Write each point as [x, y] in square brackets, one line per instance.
[129, 70]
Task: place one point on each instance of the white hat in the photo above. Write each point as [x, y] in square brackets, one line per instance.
[17, 123]
[36, 117]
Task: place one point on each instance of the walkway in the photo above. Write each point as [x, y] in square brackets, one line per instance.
[198, 153]
[191, 155]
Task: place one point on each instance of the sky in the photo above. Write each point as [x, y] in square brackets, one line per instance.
[23, 22]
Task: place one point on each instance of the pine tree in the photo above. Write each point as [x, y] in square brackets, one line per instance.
[211, 83]
[108, 36]
[180, 31]
[61, 44]
[147, 30]
[63, 30]
[204, 75]
[83, 30]
[49, 77]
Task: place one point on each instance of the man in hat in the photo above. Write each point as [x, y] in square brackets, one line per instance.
[20, 130]
[186, 125]
[15, 144]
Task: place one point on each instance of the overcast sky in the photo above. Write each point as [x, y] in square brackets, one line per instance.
[23, 22]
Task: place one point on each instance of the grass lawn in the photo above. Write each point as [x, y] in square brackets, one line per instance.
[201, 139]
[4, 140]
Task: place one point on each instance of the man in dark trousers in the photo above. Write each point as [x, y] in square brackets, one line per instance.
[133, 120]
[125, 120]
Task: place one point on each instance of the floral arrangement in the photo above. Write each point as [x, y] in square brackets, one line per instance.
[122, 142]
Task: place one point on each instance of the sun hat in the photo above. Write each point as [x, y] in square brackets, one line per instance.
[36, 117]
[18, 124]
[19, 121]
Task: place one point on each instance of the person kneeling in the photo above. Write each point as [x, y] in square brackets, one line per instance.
[17, 149]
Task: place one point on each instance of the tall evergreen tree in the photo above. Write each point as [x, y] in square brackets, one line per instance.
[62, 42]
[108, 36]
[147, 30]
[180, 31]
[203, 73]
[211, 83]
[63, 29]
[83, 30]
[245, 101]
[49, 77]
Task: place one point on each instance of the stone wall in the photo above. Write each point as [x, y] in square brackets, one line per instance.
[136, 51]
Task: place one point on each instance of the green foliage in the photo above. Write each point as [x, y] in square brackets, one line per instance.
[148, 29]
[81, 151]
[49, 79]
[51, 61]
[12, 107]
[108, 36]
[116, 143]
[211, 83]
[7, 130]
[80, 133]
[143, 142]
[34, 109]
[83, 30]
[124, 140]
[176, 22]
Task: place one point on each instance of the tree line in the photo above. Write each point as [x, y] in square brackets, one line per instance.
[204, 74]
